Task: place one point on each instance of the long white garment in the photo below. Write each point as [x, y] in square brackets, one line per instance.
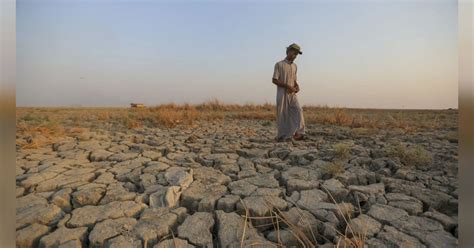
[290, 119]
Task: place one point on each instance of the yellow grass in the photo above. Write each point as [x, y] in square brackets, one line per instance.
[341, 151]
[414, 155]
[333, 169]
[50, 121]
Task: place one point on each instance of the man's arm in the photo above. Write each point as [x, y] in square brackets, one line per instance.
[288, 88]
[278, 83]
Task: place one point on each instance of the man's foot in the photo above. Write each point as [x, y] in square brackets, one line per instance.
[299, 136]
[281, 139]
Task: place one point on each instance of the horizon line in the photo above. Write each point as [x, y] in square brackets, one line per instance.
[78, 106]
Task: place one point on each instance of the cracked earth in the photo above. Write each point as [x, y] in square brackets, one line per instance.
[153, 187]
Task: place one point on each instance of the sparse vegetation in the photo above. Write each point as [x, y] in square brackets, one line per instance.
[332, 169]
[173, 114]
[362, 121]
[303, 232]
[213, 139]
[341, 151]
[360, 131]
[414, 155]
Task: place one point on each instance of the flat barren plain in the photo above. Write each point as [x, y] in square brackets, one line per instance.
[212, 175]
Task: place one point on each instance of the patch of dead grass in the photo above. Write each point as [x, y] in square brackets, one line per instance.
[302, 231]
[414, 155]
[341, 151]
[332, 169]
[173, 115]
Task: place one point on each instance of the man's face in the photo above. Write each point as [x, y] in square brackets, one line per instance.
[291, 55]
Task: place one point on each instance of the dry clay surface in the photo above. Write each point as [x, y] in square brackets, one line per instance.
[152, 187]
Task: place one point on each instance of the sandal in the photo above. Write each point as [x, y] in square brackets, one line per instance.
[281, 139]
[299, 137]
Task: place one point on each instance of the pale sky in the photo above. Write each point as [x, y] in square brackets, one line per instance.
[373, 54]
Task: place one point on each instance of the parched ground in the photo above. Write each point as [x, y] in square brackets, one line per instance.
[226, 183]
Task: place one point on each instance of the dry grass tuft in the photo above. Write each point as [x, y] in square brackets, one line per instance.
[362, 131]
[414, 155]
[302, 231]
[39, 135]
[103, 116]
[350, 238]
[341, 151]
[332, 169]
[341, 118]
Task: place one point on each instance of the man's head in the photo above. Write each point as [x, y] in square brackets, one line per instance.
[292, 51]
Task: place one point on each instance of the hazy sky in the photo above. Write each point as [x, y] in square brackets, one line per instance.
[377, 54]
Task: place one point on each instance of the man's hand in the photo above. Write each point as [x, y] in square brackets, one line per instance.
[290, 89]
[297, 87]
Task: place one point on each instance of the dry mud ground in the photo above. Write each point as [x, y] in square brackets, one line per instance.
[226, 183]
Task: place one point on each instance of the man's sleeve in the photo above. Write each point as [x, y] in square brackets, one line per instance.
[276, 72]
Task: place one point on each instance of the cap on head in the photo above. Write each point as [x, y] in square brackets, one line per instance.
[295, 47]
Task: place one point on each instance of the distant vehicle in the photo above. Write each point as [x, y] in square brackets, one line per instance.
[137, 105]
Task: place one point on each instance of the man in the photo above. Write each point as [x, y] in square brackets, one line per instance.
[290, 120]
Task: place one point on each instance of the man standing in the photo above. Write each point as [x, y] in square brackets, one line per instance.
[290, 120]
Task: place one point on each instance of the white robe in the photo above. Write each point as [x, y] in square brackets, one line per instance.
[290, 119]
